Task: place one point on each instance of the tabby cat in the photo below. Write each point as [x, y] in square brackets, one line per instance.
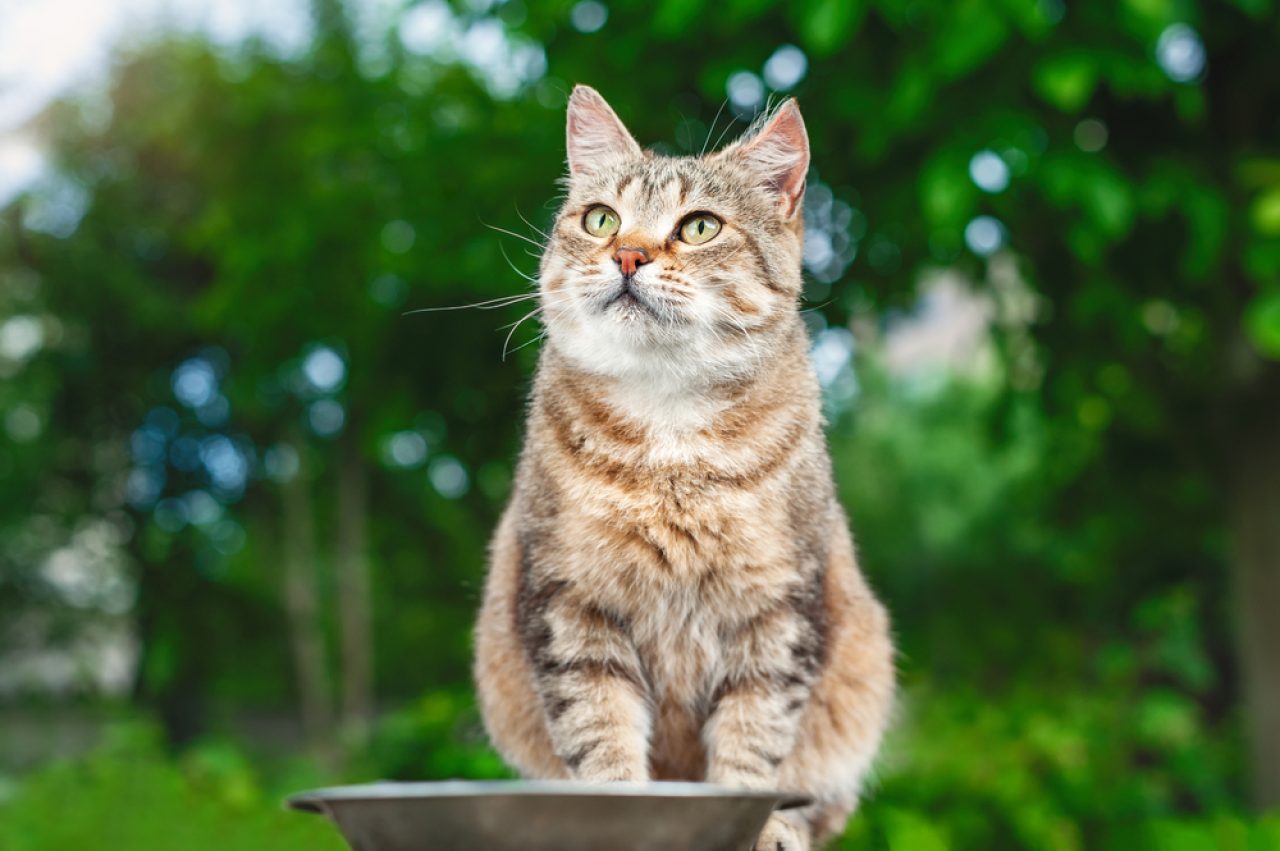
[673, 592]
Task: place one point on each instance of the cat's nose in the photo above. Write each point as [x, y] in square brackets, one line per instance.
[629, 259]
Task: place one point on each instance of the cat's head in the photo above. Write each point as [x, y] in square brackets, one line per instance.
[683, 265]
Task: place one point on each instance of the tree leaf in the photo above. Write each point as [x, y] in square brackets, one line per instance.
[826, 25]
[1262, 323]
[673, 17]
[1265, 213]
[1066, 81]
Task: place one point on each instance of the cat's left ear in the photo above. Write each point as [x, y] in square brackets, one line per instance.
[779, 154]
[594, 135]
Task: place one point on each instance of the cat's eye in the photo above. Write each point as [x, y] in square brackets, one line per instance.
[601, 221]
[699, 228]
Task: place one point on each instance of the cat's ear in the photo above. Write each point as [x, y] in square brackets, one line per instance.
[779, 155]
[595, 135]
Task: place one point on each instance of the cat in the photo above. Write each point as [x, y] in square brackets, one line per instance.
[672, 590]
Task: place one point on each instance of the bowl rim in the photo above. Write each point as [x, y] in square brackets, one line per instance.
[316, 800]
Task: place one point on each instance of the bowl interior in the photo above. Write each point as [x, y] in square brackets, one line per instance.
[537, 815]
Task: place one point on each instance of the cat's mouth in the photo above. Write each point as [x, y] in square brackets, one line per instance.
[628, 300]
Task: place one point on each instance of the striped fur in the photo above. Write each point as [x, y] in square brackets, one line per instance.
[673, 592]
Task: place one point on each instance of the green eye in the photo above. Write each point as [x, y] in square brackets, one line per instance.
[601, 221]
[699, 228]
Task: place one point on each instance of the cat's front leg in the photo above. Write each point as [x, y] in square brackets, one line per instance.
[770, 664]
[755, 715]
[751, 730]
[592, 687]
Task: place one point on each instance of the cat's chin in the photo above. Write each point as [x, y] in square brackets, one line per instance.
[624, 341]
[635, 346]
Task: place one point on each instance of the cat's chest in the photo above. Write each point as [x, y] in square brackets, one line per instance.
[674, 530]
[678, 539]
[683, 581]
[680, 647]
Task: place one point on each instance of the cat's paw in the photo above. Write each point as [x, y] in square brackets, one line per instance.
[781, 834]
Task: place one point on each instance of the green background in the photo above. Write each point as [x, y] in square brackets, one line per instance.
[1073, 516]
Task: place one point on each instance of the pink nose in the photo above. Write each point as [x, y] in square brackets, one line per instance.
[629, 259]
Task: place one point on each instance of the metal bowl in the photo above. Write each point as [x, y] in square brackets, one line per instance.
[551, 815]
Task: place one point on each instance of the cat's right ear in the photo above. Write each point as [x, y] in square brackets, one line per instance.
[779, 155]
[594, 134]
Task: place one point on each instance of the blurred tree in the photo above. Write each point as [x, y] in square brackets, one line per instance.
[267, 244]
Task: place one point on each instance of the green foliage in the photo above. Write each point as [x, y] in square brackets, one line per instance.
[1263, 323]
[1033, 729]
[826, 25]
[129, 794]
[1050, 767]
[436, 736]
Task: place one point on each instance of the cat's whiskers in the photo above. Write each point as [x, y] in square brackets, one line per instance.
[818, 306]
[517, 324]
[534, 227]
[490, 304]
[727, 128]
[537, 339]
[527, 239]
[721, 311]
[586, 271]
[744, 334]
[503, 251]
[670, 298]
[495, 303]
[712, 128]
